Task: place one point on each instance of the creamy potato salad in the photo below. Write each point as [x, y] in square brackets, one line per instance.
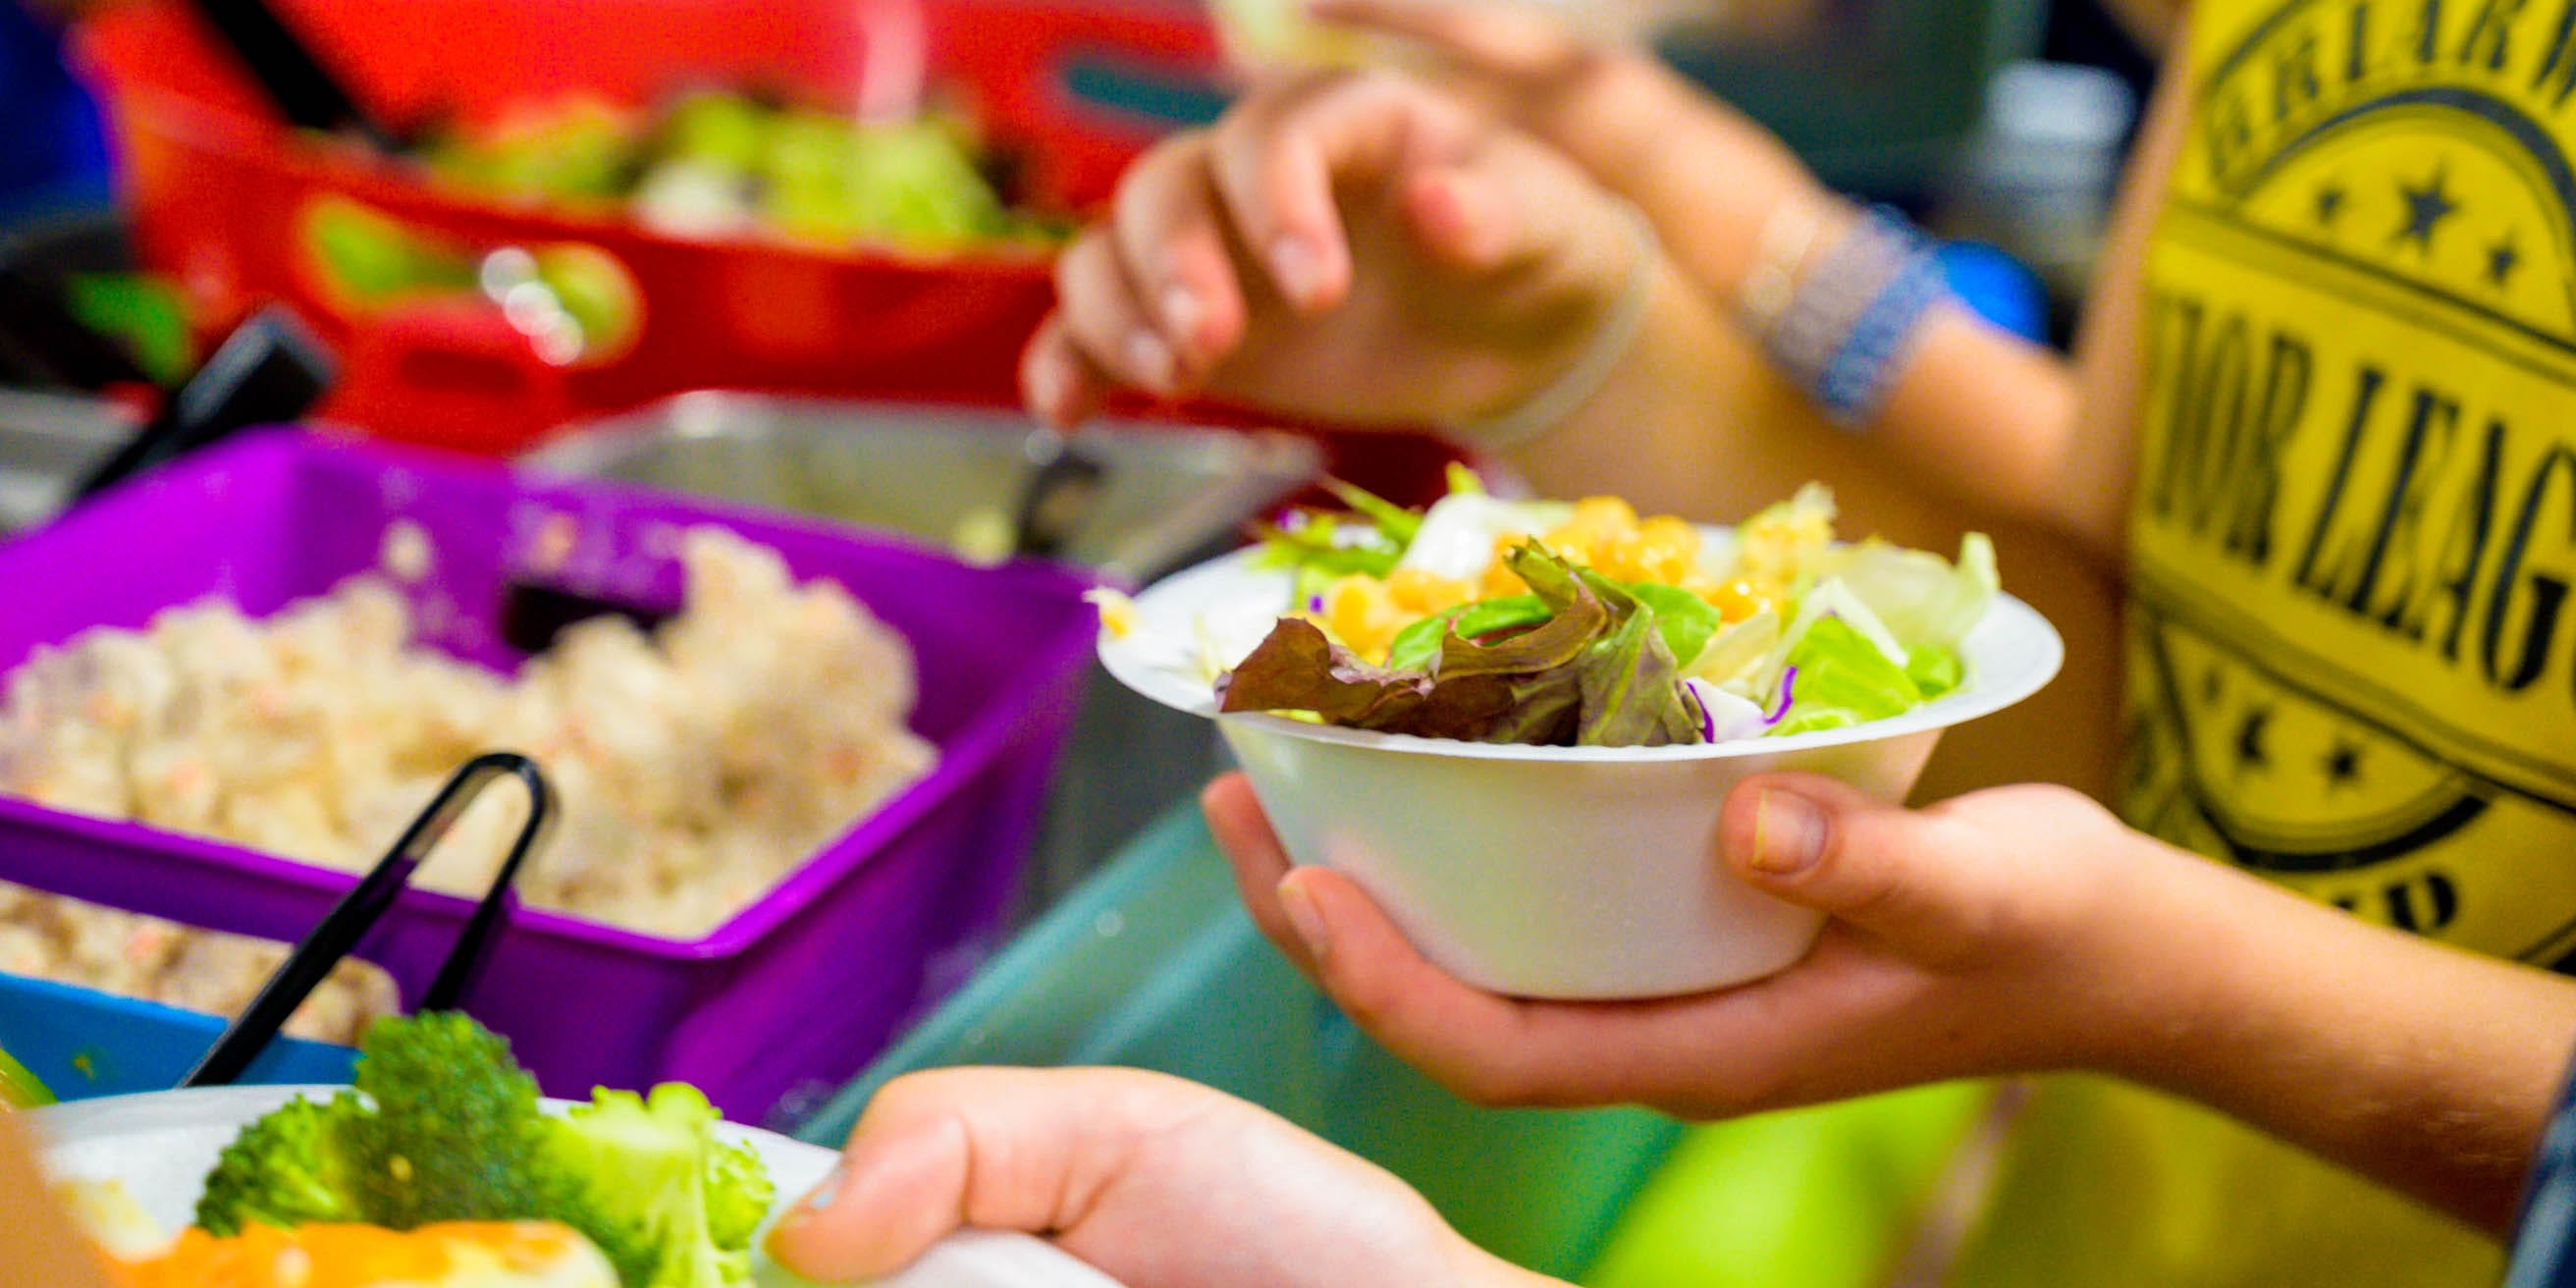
[697, 765]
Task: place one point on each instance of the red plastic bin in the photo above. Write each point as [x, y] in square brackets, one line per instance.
[220, 190]
[792, 995]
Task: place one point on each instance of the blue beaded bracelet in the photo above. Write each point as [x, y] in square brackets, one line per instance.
[1846, 329]
[1856, 379]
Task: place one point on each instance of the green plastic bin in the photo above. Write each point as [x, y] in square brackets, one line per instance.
[1153, 964]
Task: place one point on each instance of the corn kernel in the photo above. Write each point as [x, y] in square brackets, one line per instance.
[1601, 516]
[1117, 612]
[1499, 580]
[1361, 612]
[1737, 600]
[1666, 549]
[1423, 593]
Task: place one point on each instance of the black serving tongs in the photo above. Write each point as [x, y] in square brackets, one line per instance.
[299, 83]
[349, 921]
[1058, 498]
[270, 370]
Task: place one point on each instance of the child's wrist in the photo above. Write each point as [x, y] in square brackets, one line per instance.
[2164, 966]
[1837, 302]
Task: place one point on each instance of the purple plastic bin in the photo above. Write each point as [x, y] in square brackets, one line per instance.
[794, 994]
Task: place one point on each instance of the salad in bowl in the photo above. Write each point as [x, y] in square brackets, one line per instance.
[1515, 722]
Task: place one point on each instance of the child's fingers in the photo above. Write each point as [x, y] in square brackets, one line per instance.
[999, 1149]
[1932, 887]
[1254, 854]
[1476, 1043]
[1056, 381]
[1279, 157]
[1102, 315]
[1468, 1040]
[1170, 230]
[1509, 205]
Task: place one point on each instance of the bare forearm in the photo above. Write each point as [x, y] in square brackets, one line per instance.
[1697, 423]
[2430, 1070]
[1660, 431]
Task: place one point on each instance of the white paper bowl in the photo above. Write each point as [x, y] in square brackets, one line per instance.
[160, 1146]
[1549, 872]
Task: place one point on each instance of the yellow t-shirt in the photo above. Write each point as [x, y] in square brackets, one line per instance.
[2349, 661]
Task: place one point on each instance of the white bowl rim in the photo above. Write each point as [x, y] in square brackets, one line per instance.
[2008, 626]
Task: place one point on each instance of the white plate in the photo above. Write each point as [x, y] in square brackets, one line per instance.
[160, 1146]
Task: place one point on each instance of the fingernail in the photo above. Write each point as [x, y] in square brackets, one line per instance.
[1303, 916]
[1293, 263]
[1151, 358]
[1181, 313]
[1788, 833]
[820, 1197]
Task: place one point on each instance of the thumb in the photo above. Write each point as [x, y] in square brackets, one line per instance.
[1469, 219]
[1508, 204]
[1005, 1149]
[1927, 884]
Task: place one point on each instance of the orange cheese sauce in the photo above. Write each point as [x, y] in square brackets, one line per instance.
[363, 1256]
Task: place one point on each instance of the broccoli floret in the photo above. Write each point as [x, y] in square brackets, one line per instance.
[289, 1168]
[455, 1129]
[656, 1191]
[739, 1193]
[444, 1126]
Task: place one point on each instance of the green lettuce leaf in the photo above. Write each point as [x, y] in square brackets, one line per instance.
[1593, 670]
[1843, 680]
[1923, 599]
[1316, 550]
[1632, 693]
[1393, 521]
[1417, 646]
[1934, 670]
[1738, 650]
[1686, 621]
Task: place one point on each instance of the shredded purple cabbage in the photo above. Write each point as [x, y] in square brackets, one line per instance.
[1788, 679]
[1707, 718]
[1314, 603]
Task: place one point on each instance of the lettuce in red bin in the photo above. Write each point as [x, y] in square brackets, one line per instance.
[1595, 671]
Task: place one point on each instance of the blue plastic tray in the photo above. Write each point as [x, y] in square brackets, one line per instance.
[85, 1043]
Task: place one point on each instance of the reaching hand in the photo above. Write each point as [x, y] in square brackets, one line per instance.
[1707, 175]
[1347, 247]
[1599, 103]
[1158, 1182]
